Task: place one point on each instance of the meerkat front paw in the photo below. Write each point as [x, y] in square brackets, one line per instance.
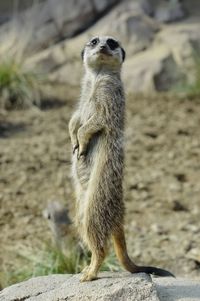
[82, 143]
[74, 142]
[75, 147]
[80, 152]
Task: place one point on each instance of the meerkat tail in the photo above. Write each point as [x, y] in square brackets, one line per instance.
[154, 271]
[127, 263]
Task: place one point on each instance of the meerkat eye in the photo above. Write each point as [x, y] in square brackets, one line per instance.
[112, 44]
[94, 42]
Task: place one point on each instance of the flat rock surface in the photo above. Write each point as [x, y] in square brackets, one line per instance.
[109, 286]
[181, 289]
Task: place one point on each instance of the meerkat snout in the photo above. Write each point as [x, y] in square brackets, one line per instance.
[103, 51]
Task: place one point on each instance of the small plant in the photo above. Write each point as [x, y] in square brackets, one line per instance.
[20, 84]
[191, 89]
[194, 89]
[50, 261]
[19, 88]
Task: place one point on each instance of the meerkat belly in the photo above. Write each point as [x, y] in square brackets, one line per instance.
[85, 167]
[100, 174]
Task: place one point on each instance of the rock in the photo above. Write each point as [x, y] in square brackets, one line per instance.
[130, 24]
[169, 61]
[60, 63]
[158, 57]
[191, 7]
[178, 206]
[177, 289]
[7, 8]
[102, 5]
[182, 40]
[158, 229]
[109, 286]
[151, 70]
[136, 6]
[169, 11]
[135, 31]
[52, 21]
[168, 76]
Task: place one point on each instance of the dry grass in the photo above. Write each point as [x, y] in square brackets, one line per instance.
[20, 84]
[191, 90]
[49, 260]
[19, 88]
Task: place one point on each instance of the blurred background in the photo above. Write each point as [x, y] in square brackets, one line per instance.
[40, 76]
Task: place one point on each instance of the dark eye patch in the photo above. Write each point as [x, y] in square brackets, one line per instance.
[94, 41]
[112, 44]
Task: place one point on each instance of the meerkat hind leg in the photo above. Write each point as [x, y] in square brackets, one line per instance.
[85, 269]
[128, 264]
[121, 251]
[90, 272]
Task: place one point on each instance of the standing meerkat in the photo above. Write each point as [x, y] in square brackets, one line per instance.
[97, 134]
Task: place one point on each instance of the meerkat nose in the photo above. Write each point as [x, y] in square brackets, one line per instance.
[102, 46]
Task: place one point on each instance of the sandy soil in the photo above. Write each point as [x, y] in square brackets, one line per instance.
[161, 184]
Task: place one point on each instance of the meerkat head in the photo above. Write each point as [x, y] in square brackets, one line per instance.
[103, 51]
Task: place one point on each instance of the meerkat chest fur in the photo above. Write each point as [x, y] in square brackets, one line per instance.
[102, 94]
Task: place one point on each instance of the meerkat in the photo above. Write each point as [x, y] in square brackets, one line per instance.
[97, 136]
[62, 229]
[59, 222]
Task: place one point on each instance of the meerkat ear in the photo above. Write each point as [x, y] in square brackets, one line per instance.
[82, 53]
[123, 54]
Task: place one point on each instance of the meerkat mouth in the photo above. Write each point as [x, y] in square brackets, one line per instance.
[104, 52]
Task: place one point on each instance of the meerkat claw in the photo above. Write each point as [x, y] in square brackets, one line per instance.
[75, 147]
[80, 154]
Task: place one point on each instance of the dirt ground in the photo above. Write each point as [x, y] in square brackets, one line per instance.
[161, 184]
